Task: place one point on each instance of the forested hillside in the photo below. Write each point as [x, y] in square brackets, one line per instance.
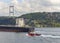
[43, 19]
[7, 20]
[37, 19]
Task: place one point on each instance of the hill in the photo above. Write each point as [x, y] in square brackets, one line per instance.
[37, 19]
[7, 20]
[43, 19]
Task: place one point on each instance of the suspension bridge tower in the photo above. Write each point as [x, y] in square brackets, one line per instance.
[11, 10]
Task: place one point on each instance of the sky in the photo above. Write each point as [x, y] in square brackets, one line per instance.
[28, 6]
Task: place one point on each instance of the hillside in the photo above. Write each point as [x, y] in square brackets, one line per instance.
[37, 19]
[7, 20]
[43, 19]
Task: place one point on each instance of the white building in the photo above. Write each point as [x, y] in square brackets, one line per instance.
[20, 22]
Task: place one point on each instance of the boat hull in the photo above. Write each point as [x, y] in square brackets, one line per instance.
[15, 29]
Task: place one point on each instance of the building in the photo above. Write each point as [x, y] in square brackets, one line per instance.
[20, 22]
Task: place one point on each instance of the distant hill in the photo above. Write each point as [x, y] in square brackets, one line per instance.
[7, 20]
[37, 19]
[43, 19]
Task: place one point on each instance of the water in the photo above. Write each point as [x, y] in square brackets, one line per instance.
[49, 35]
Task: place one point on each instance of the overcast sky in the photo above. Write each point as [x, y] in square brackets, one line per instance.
[28, 6]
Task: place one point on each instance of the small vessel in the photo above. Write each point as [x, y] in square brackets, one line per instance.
[15, 29]
[33, 34]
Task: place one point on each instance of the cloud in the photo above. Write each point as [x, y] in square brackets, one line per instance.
[2, 5]
[14, 2]
[55, 1]
[27, 6]
[3, 9]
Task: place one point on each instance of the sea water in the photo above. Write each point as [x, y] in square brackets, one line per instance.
[49, 35]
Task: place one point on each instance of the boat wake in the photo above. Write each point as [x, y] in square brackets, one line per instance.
[46, 36]
[38, 34]
[51, 36]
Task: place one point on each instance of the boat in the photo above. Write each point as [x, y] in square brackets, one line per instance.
[33, 34]
[15, 29]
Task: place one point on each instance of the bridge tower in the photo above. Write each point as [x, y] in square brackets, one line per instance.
[11, 11]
